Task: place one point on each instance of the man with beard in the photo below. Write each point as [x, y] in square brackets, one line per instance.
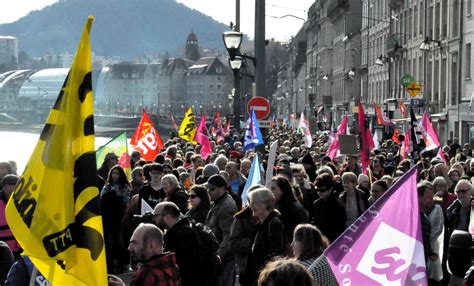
[158, 268]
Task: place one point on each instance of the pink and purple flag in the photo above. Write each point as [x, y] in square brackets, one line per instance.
[384, 245]
[366, 141]
[405, 150]
[334, 150]
[202, 138]
[429, 135]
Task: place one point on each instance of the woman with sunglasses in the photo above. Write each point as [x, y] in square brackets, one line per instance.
[328, 214]
[199, 204]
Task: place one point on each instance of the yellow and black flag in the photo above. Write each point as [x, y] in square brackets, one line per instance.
[187, 130]
[54, 212]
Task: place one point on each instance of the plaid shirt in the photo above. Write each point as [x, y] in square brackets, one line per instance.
[160, 270]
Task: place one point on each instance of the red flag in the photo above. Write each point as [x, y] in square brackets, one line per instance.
[403, 109]
[395, 136]
[216, 124]
[381, 118]
[227, 127]
[146, 139]
[366, 141]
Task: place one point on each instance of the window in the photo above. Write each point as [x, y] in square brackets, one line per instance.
[415, 21]
[469, 8]
[211, 86]
[468, 61]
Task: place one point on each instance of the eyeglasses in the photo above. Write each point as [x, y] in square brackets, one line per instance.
[462, 191]
[192, 196]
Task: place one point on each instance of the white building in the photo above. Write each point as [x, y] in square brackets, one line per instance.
[8, 50]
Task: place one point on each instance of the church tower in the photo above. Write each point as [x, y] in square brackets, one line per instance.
[192, 48]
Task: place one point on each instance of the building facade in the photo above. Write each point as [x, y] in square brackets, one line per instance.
[8, 50]
[362, 49]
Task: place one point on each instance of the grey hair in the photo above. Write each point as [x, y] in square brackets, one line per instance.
[463, 181]
[325, 169]
[264, 197]
[170, 178]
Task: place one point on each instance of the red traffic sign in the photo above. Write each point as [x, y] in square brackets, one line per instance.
[260, 105]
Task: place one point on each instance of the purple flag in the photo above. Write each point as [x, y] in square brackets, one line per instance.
[384, 245]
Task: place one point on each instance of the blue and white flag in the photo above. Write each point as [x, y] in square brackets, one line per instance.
[254, 178]
[253, 136]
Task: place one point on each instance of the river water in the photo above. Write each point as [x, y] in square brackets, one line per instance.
[18, 146]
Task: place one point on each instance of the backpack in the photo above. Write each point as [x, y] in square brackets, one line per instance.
[207, 246]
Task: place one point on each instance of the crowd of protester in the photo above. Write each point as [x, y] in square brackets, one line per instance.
[200, 232]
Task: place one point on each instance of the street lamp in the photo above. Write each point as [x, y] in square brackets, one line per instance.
[351, 74]
[425, 45]
[232, 41]
[236, 63]
[381, 60]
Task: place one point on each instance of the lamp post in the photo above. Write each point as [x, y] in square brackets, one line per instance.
[232, 41]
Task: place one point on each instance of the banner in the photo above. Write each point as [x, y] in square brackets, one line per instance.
[187, 130]
[403, 109]
[54, 212]
[146, 139]
[119, 146]
[271, 163]
[384, 245]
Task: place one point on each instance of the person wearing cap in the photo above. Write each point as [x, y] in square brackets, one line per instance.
[219, 220]
[8, 184]
[207, 172]
[328, 214]
[234, 156]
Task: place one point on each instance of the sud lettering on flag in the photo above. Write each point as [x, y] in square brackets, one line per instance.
[54, 212]
[146, 139]
[383, 246]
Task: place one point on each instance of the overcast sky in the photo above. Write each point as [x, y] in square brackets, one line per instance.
[221, 10]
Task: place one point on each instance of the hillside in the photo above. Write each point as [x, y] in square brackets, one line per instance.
[121, 28]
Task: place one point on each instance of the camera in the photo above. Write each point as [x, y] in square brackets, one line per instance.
[144, 218]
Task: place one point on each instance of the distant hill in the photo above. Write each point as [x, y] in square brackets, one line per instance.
[121, 27]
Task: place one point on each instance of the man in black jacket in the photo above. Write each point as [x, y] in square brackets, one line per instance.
[181, 239]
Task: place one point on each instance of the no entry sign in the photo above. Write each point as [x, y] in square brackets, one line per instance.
[260, 105]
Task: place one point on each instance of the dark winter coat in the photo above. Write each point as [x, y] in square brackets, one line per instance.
[292, 214]
[329, 216]
[180, 198]
[219, 220]
[268, 242]
[241, 234]
[198, 214]
[181, 240]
